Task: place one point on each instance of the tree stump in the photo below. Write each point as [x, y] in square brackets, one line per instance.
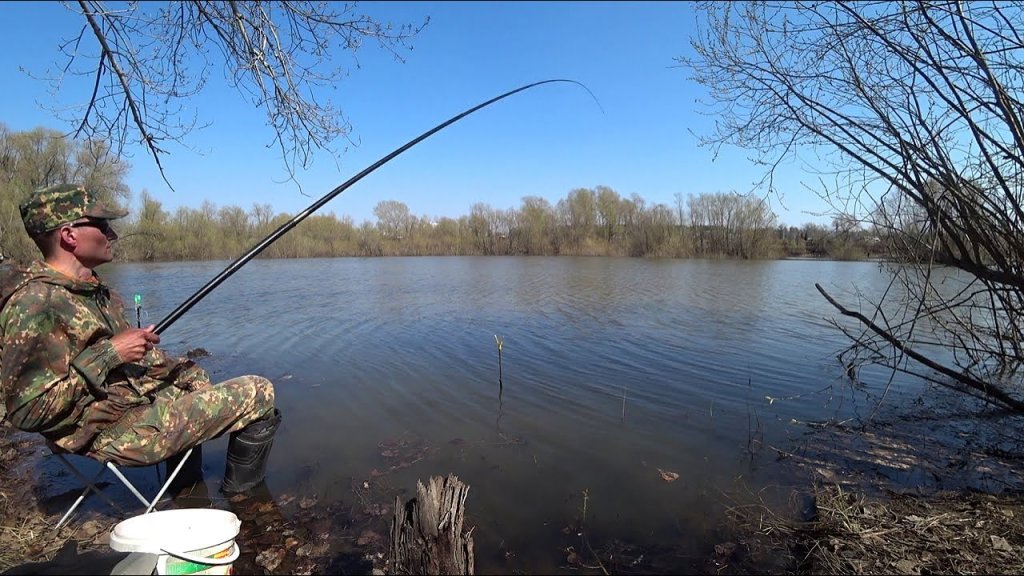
[426, 533]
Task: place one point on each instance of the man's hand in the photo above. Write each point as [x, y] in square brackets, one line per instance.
[132, 344]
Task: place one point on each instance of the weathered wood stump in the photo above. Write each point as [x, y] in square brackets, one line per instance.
[426, 533]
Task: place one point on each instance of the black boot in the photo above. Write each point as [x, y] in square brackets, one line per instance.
[191, 472]
[248, 450]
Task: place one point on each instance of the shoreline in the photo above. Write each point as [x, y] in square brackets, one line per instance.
[283, 534]
[932, 489]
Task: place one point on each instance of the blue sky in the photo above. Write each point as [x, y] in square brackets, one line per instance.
[544, 142]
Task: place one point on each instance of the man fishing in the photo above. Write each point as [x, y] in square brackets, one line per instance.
[74, 369]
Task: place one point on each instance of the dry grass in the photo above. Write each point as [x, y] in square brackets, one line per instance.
[949, 533]
[27, 534]
[926, 496]
[936, 487]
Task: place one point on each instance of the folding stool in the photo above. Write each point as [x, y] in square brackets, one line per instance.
[90, 485]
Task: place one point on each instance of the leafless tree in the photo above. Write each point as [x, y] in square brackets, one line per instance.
[728, 224]
[145, 60]
[393, 219]
[915, 109]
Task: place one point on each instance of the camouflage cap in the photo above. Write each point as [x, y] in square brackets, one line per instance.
[48, 208]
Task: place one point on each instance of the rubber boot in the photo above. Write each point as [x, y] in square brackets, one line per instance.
[191, 472]
[248, 450]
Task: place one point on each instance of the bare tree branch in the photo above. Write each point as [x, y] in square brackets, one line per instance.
[916, 108]
[151, 58]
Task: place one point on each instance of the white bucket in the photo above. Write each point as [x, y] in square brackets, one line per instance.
[185, 541]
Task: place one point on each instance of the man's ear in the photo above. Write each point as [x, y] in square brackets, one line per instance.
[66, 237]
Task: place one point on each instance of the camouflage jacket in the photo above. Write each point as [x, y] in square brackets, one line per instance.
[59, 372]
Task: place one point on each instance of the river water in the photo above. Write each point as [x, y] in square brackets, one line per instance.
[612, 370]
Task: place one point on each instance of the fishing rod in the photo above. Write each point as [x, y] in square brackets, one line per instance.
[284, 228]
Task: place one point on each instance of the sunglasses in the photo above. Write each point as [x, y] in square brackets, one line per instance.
[101, 225]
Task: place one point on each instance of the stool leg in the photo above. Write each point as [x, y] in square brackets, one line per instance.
[170, 478]
[127, 484]
[90, 485]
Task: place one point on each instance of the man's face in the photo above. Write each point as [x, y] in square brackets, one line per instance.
[94, 238]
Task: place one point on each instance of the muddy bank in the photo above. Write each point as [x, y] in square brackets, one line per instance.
[280, 534]
[942, 533]
[935, 489]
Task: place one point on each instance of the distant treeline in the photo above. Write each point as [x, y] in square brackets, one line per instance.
[587, 222]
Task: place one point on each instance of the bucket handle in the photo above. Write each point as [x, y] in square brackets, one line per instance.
[205, 560]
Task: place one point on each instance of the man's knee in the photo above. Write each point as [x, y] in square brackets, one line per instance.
[264, 390]
[266, 386]
[259, 390]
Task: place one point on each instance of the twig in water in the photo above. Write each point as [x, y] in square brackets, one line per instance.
[752, 432]
[499, 341]
[586, 497]
[623, 418]
[773, 399]
[583, 533]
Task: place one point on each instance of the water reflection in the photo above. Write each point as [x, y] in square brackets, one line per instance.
[369, 352]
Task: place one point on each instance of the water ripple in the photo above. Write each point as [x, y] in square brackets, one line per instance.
[609, 368]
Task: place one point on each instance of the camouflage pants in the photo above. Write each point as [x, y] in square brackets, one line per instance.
[178, 420]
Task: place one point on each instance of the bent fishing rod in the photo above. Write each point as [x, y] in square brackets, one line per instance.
[284, 228]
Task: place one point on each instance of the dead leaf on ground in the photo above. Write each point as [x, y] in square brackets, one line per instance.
[1000, 543]
[270, 558]
[89, 529]
[668, 476]
[312, 549]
